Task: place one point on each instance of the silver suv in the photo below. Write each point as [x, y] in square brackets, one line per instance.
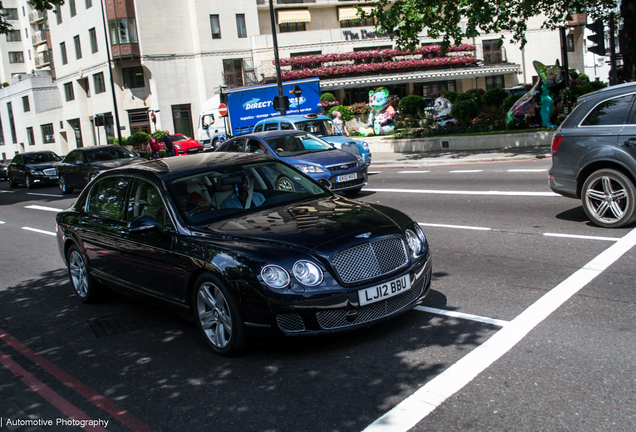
[594, 155]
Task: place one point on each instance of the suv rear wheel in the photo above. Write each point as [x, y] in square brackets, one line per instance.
[608, 198]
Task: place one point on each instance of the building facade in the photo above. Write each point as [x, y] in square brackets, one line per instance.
[168, 58]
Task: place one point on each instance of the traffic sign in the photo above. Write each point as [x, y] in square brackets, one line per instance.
[223, 109]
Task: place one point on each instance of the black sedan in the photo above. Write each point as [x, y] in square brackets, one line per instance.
[4, 174]
[212, 236]
[33, 168]
[83, 164]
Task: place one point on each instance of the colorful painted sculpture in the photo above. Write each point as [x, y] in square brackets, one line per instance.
[540, 106]
[380, 119]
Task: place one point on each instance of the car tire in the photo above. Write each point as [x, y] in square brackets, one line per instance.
[284, 183]
[215, 144]
[352, 192]
[64, 187]
[608, 198]
[217, 316]
[84, 286]
[28, 181]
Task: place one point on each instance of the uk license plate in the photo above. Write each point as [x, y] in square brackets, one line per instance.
[346, 177]
[384, 291]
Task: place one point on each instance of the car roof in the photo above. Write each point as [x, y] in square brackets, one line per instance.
[95, 148]
[297, 118]
[610, 91]
[37, 152]
[269, 134]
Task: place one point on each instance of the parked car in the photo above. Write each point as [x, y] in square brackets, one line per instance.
[594, 155]
[4, 175]
[33, 168]
[319, 125]
[346, 172]
[299, 262]
[82, 165]
[184, 145]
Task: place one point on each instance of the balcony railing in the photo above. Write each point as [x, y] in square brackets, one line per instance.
[43, 59]
[35, 16]
[39, 37]
[492, 56]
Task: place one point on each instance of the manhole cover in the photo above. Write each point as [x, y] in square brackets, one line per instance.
[120, 323]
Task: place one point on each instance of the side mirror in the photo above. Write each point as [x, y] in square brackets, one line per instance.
[143, 223]
[79, 162]
[206, 126]
[325, 183]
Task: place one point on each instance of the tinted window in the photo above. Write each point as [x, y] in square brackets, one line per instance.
[107, 198]
[271, 126]
[145, 200]
[108, 153]
[286, 126]
[610, 112]
[258, 128]
[234, 146]
[41, 158]
[290, 145]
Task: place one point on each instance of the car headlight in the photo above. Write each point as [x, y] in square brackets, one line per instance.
[307, 273]
[275, 276]
[177, 146]
[310, 169]
[415, 243]
[421, 235]
[365, 145]
[37, 172]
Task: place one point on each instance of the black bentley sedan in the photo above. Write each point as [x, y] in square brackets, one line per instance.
[83, 164]
[33, 168]
[213, 236]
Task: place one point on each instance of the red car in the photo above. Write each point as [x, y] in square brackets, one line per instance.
[184, 145]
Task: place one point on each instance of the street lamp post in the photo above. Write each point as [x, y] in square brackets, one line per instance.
[110, 73]
[279, 81]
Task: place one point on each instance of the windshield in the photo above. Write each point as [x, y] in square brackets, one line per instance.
[320, 127]
[213, 195]
[294, 145]
[41, 158]
[178, 137]
[108, 153]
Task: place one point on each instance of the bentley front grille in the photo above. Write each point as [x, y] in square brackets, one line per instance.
[370, 260]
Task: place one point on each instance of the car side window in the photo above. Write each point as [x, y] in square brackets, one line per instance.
[286, 126]
[258, 128]
[145, 200]
[235, 145]
[610, 112]
[255, 146]
[271, 126]
[106, 199]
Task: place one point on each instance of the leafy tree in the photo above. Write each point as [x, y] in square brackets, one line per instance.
[403, 20]
[41, 5]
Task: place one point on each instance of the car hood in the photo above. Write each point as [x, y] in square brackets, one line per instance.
[40, 166]
[325, 158]
[323, 225]
[116, 163]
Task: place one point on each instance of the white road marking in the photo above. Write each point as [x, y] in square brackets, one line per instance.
[412, 172]
[455, 226]
[461, 315]
[2, 222]
[466, 171]
[43, 194]
[450, 192]
[583, 237]
[528, 170]
[37, 207]
[4, 191]
[420, 404]
[39, 231]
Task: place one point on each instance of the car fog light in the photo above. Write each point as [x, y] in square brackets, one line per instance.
[414, 242]
[307, 273]
[274, 276]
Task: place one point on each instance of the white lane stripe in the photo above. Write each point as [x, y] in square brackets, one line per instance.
[455, 226]
[37, 207]
[2, 222]
[4, 191]
[416, 407]
[583, 237]
[412, 172]
[528, 170]
[450, 192]
[39, 231]
[466, 171]
[454, 314]
[43, 194]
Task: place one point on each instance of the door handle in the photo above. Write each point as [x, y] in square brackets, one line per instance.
[630, 142]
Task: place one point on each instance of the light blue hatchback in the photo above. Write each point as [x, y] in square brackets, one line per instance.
[318, 125]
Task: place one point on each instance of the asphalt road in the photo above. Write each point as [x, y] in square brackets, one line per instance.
[530, 326]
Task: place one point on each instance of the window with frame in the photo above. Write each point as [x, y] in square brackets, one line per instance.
[133, 77]
[610, 112]
[145, 200]
[89, 4]
[215, 26]
[492, 51]
[68, 91]
[78, 47]
[14, 36]
[92, 35]
[63, 53]
[240, 26]
[11, 14]
[107, 199]
[98, 83]
[366, 22]
[14, 135]
[72, 7]
[291, 27]
[496, 81]
[30, 136]
[25, 104]
[123, 31]
[48, 135]
[16, 57]
[58, 14]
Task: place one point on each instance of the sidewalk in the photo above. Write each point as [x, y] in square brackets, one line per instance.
[456, 157]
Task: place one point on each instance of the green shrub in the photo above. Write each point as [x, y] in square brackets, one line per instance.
[412, 106]
[347, 113]
[451, 96]
[509, 101]
[327, 97]
[495, 97]
[138, 140]
[465, 110]
[5, 84]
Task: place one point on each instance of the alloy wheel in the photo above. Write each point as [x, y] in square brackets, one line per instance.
[608, 198]
[214, 315]
[79, 276]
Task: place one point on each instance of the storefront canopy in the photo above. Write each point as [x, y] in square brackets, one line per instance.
[293, 16]
[351, 13]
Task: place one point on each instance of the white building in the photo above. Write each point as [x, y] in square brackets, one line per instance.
[169, 57]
